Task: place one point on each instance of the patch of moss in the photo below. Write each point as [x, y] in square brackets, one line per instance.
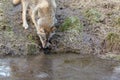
[31, 49]
[117, 21]
[112, 42]
[92, 15]
[117, 57]
[9, 34]
[111, 56]
[71, 23]
[109, 14]
[31, 37]
[113, 37]
[4, 26]
[68, 61]
[1, 11]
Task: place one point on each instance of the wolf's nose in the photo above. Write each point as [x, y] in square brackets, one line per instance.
[47, 49]
[47, 45]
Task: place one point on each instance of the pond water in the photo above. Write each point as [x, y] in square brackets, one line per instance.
[58, 67]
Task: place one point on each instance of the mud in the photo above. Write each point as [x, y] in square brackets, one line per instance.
[58, 67]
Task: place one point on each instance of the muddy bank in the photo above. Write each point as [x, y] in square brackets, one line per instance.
[100, 21]
[84, 27]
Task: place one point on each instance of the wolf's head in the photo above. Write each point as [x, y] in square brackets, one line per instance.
[45, 33]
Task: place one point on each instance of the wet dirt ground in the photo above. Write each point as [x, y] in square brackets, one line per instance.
[58, 67]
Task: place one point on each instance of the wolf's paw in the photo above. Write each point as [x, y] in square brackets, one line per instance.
[25, 26]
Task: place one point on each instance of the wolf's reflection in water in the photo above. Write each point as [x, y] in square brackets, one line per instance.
[27, 68]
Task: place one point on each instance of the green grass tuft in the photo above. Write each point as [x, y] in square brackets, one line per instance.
[92, 15]
[31, 37]
[117, 21]
[31, 48]
[112, 42]
[71, 23]
[113, 37]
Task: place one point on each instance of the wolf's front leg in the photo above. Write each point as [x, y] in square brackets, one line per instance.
[33, 18]
[54, 5]
[24, 7]
[33, 15]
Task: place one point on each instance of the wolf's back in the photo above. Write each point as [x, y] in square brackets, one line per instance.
[16, 2]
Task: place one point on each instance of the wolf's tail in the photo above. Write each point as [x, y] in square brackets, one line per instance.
[16, 2]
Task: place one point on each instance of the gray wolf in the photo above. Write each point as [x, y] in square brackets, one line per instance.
[42, 13]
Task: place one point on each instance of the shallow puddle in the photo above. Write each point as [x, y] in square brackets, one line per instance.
[58, 67]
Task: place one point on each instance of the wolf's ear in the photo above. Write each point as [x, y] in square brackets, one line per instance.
[53, 28]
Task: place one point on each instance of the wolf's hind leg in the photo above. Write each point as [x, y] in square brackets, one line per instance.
[24, 7]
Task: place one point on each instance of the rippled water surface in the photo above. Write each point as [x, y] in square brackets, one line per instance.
[58, 67]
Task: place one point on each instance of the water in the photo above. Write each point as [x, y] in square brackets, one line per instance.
[58, 67]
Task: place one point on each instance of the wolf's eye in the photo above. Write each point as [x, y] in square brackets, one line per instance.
[42, 32]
